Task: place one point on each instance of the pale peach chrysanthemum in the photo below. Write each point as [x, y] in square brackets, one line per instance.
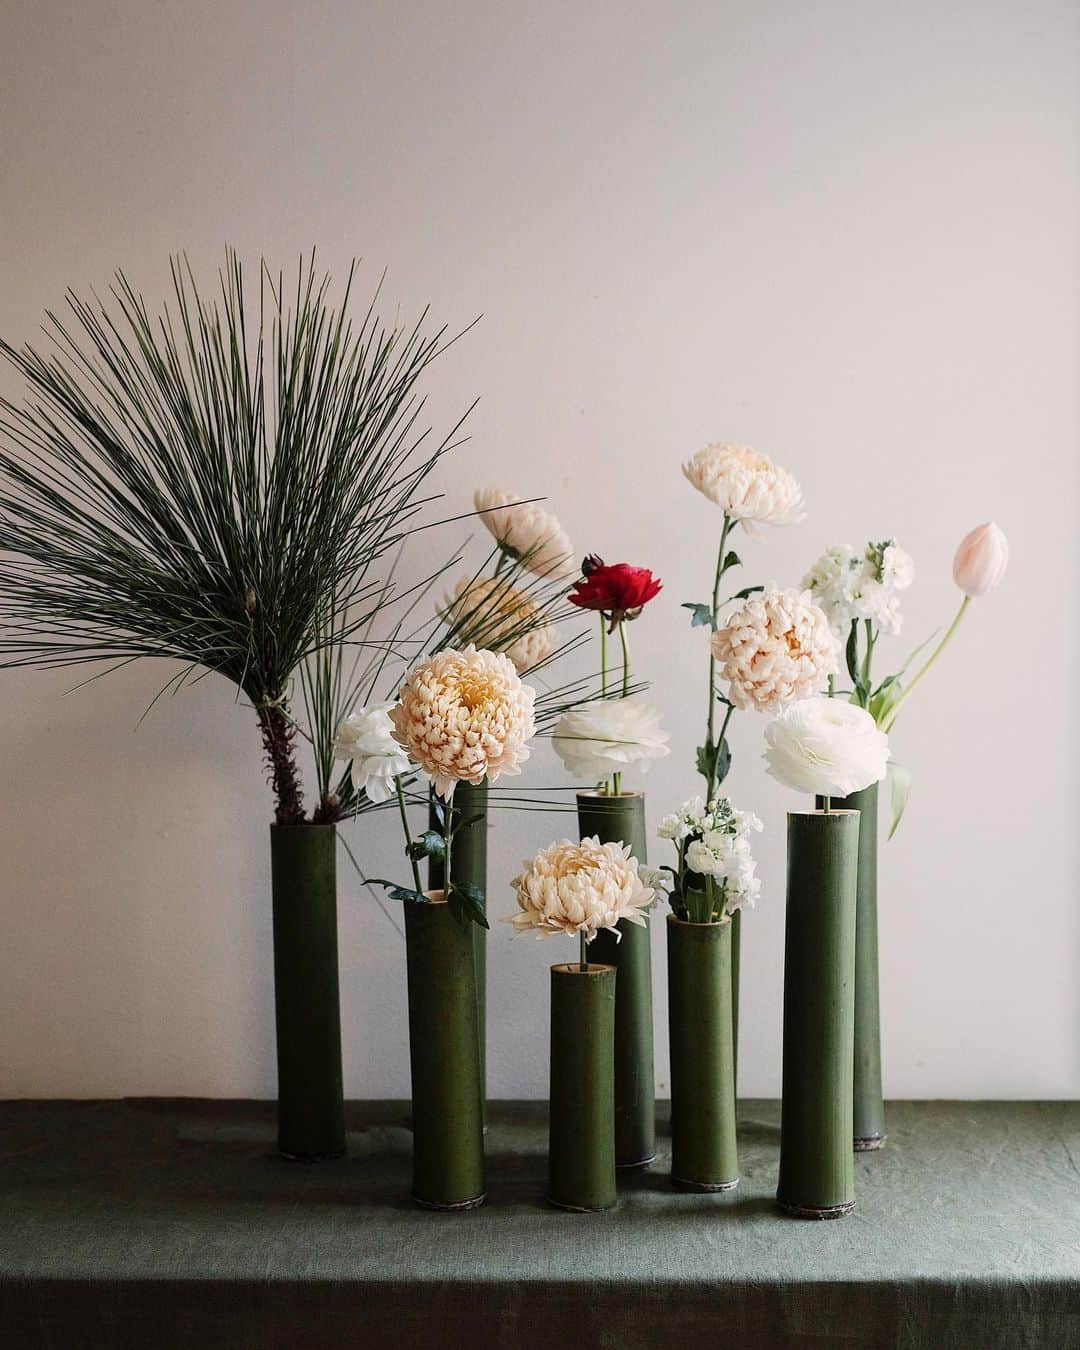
[464, 716]
[746, 485]
[579, 888]
[775, 649]
[491, 613]
[527, 532]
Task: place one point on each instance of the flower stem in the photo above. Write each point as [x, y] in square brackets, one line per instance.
[828, 804]
[448, 842]
[408, 833]
[710, 777]
[625, 660]
[583, 950]
[866, 664]
[611, 785]
[886, 726]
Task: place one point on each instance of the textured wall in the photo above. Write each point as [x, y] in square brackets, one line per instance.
[842, 232]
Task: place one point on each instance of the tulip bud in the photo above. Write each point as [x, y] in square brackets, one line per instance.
[981, 560]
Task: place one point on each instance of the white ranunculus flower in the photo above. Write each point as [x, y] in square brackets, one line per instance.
[595, 740]
[366, 740]
[826, 746]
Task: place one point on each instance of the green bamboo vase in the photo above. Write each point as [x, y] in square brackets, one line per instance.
[468, 861]
[704, 1152]
[621, 819]
[444, 1052]
[581, 1130]
[869, 1104]
[736, 952]
[817, 1178]
[311, 1108]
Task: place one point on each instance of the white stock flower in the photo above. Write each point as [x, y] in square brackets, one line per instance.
[721, 849]
[491, 613]
[595, 740]
[854, 586]
[746, 485]
[826, 746]
[527, 532]
[366, 739]
[580, 888]
[776, 648]
[465, 716]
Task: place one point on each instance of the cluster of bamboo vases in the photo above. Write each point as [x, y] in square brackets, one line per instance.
[602, 1110]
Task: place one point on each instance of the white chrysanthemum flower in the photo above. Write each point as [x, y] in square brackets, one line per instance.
[746, 485]
[776, 648]
[489, 612]
[826, 746]
[527, 532]
[366, 739]
[465, 716]
[596, 740]
[580, 888]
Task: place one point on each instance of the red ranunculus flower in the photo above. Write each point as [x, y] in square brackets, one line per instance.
[619, 592]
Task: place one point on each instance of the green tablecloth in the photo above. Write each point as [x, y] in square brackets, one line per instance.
[160, 1224]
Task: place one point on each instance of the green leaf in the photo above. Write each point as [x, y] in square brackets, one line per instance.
[466, 901]
[701, 616]
[463, 823]
[900, 786]
[747, 592]
[732, 560]
[438, 809]
[396, 892]
[431, 844]
[886, 698]
[851, 653]
[706, 759]
[723, 761]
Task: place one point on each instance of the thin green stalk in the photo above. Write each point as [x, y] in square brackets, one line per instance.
[867, 660]
[828, 804]
[891, 718]
[583, 950]
[408, 833]
[710, 777]
[448, 839]
[616, 779]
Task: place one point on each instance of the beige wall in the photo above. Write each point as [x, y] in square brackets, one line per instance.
[843, 232]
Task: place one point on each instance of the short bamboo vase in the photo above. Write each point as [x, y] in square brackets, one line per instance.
[621, 819]
[816, 1162]
[869, 1105]
[581, 1139]
[704, 1151]
[444, 1049]
[311, 1108]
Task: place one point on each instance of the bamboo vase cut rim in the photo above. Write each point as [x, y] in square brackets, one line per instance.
[435, 897]
[596, 795]
[825, 815]
[574, 968]
[692, 923]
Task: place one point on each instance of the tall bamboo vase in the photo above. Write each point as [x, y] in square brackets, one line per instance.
[444, 1048]
[622, 819]
[311, 1109]
[816, 1161]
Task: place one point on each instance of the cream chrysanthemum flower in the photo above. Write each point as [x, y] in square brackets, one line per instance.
[526, 532]
[746, 485]
[491, 613]
[775, 649]
[464, 716]
[580, 888]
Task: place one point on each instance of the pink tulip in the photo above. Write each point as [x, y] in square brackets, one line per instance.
[981, 560]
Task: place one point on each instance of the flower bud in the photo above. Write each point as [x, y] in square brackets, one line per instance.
[592, 563]
[981, 560]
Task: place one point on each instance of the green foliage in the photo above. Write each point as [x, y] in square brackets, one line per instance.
[212, 484]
